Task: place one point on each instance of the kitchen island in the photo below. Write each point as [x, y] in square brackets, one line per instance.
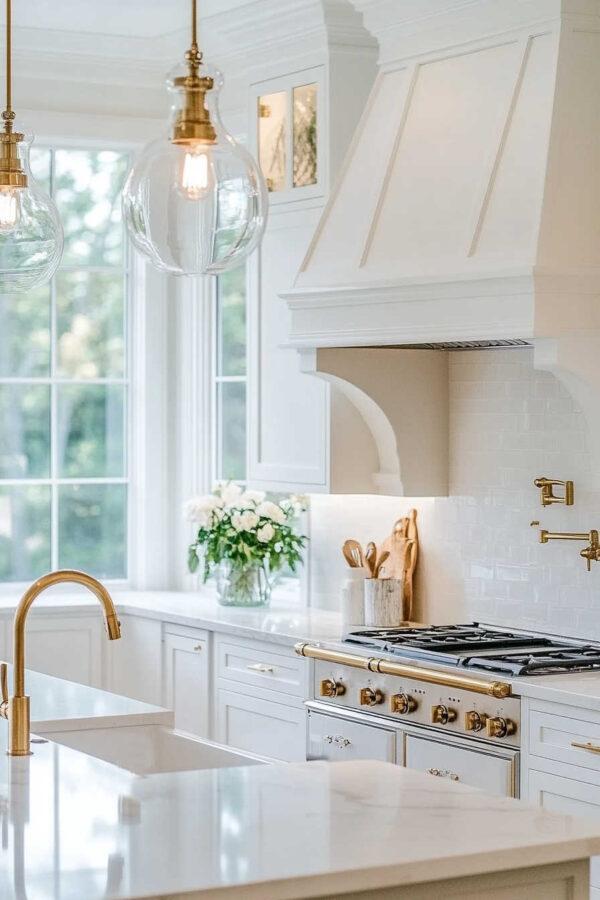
[76, 827]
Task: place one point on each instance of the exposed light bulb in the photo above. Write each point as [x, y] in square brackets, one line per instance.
[195, 176]
[10, 210]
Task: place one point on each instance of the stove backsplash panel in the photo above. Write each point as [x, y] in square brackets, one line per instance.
[481, 559]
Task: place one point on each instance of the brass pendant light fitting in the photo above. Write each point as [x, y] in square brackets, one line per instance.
[193, 124]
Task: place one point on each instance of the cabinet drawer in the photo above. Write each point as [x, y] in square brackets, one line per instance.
[568, 797]
[260, 664]
[553, 736]
[337, 739]
[260, 726]
[477, 768]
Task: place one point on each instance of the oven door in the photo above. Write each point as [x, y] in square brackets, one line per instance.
[347, 736]
[343, 734]
[494, 770]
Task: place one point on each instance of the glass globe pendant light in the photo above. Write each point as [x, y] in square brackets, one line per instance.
[195, 201]
[31, 236]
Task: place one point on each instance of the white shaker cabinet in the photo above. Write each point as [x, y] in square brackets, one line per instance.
[66, 646]
[303, 108]
[289, 413]
[259, 693]
[258, 723]
[135, 661]
[560, 773]
[187, 678]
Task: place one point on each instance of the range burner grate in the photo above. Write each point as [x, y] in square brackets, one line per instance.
[549, 662]
[474, 646]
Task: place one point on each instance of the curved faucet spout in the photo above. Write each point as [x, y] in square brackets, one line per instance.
[17, 708]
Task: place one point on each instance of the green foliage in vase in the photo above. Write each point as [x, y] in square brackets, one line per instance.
[244, 528]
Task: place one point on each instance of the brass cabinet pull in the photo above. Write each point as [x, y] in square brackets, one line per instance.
[443, 773]
[593, 748]
[261, 667]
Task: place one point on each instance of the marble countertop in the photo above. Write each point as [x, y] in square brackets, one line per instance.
[77, 827]
[572, 688]
[284, 622]
[56, 703]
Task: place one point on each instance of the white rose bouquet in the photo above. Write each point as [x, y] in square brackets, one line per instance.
[254, 536]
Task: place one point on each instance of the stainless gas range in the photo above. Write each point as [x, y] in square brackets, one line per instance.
[437, 698]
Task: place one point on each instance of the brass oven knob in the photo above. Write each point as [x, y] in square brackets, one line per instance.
[441, 715]
[371, 697]
[403, 703]
[497, 727]
[475, 721]
[331, 688]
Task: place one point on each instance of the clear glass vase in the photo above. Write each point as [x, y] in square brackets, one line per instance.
[248, 585]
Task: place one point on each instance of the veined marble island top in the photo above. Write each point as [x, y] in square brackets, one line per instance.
[76, 828]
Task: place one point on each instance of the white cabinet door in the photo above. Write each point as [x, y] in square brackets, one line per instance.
[187, 677]
[135, 661]
[571, 798]
[289, 414]
[337, 739]
[68, 647]
[259, 725]
[479, 768]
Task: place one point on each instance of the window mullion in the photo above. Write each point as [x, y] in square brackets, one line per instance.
[53, 410]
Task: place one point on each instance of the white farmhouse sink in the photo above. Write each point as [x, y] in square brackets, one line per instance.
[149, 749]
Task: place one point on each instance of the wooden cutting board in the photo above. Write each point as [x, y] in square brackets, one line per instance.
[403, 547]
[395, 544]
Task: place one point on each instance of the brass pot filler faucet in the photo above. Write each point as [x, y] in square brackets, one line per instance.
[16, 708]
[547, 496]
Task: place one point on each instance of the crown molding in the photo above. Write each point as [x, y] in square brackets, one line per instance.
[261, 25]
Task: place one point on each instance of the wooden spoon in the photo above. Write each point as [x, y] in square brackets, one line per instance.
[385, 555]
[371, 558]
[350, 553]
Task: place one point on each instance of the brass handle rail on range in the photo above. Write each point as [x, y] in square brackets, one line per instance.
[498, 689]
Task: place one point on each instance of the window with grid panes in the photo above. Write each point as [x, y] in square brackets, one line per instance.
[63, 385]
[229, 456]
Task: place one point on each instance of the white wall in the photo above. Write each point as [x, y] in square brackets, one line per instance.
[481, 558]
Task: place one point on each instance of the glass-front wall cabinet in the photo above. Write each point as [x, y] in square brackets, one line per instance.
[288, 126]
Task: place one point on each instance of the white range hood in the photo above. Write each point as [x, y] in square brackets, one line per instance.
[468, 207]
[469, 203]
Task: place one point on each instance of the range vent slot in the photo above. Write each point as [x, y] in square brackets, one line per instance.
[466, 345]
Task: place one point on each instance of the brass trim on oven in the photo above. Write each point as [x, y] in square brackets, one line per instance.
[497, 689]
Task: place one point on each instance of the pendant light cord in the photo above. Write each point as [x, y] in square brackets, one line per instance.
[8, 114]
[193, 56]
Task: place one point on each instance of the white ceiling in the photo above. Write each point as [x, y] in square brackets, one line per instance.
[115, 18]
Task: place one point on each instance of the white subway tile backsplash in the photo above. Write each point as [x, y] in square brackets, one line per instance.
[480, 558]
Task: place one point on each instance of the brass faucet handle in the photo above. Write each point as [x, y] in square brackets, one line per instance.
[547, 495]
[4, 690]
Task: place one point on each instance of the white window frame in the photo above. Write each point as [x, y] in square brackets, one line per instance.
[146, 333]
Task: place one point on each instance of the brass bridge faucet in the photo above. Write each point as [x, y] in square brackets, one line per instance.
[589, 553]
[16, 708]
